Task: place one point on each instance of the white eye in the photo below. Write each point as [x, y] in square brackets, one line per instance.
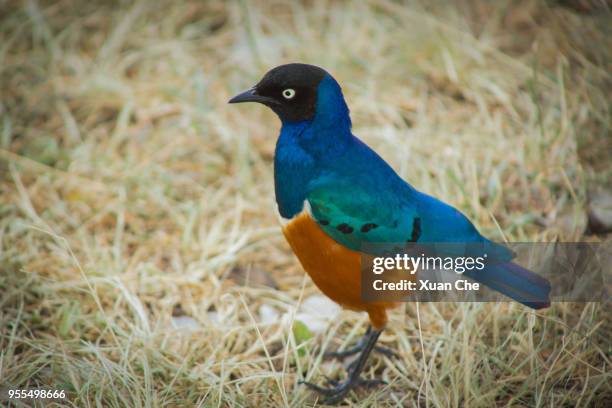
[288, 93]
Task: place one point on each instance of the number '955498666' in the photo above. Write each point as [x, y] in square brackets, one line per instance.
[35, 394]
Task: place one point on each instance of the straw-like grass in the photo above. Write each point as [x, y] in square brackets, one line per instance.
[130, 192]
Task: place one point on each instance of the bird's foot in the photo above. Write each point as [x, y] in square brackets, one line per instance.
[338, 390]
[361, 382]
[358, 348]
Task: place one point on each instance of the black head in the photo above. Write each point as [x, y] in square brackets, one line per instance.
[289, 90]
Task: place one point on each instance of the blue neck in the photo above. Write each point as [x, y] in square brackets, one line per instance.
[332, 113]
[305, 148]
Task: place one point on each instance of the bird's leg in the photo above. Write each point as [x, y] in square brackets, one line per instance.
[351, 350]
[359, 347]
[340, 389]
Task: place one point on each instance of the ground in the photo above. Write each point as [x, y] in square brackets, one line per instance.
[134, 202]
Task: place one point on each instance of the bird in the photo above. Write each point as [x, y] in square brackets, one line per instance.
[336, 195]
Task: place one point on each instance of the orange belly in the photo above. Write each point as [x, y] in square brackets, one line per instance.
[335, 269]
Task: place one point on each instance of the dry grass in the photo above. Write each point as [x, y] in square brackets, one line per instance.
[130, 191]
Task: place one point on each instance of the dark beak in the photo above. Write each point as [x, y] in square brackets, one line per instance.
[252, 96]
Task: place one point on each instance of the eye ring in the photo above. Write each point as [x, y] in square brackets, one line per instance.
[288, 93]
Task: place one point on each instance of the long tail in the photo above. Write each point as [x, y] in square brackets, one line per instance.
[515, 282]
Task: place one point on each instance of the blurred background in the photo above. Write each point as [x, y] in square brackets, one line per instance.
[141, 260]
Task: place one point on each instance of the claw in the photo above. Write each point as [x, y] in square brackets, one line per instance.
[371, 383]
[338, 391]
[344, 353]
[331, 391]
[357, 348]
[331, 381]
[386, 351]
